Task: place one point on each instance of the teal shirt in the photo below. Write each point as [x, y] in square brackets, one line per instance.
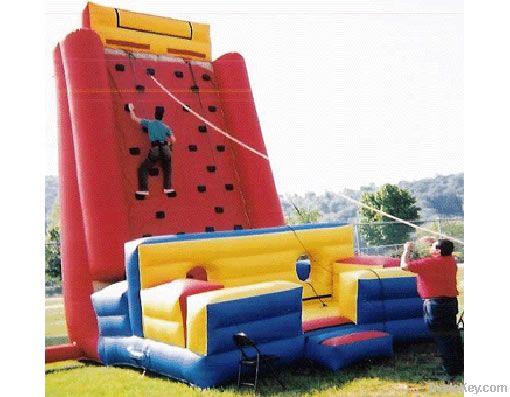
[157, 130]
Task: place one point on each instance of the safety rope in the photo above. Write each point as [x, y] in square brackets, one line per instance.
[197, 115]
[400, 219]
[265, 157]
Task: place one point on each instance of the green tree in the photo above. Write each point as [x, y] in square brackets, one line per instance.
[52, 254]
[52, 250]
[395, 201]
[303, 215]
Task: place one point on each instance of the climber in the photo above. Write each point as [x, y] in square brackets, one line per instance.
[161, 149]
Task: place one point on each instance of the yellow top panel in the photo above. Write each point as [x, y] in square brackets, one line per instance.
[243, 260]
[152, 34]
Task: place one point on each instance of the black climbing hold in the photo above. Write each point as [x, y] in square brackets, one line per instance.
[151, 71]
[202, 128]
[206, 77]
[145, 129]
[126, 107]
[140, 88]
[119, 67]
[209, 229]
[153, 171]
[134, 151]
[219, 210]
[147, 235]
[194, 88]
[212, 108]
[172, 194]
[238, 227]
[220, 148]
[201, 188]
[193, 148]
[180, 233]
[186, 108]
[139, 197]
[179, 74]
[160, 214]
[211, 168]
[229, 186]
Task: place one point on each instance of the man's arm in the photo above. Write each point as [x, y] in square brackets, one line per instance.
[131, 108]
[170, 134]
[404, 260]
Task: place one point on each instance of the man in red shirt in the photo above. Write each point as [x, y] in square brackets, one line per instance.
[436, 279]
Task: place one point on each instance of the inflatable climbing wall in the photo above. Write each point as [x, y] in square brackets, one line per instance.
[110, 62]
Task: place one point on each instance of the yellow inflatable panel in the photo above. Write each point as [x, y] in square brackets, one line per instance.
[347, 267]
[314, 309]
[348, 287]
[196, 321]
[152, 34]
[243, 260]
[161, 313]
[171, 332]
[162, 301]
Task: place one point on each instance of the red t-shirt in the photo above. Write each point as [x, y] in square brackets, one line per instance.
[436, 276]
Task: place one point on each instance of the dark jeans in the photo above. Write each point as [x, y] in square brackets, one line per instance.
[440, 315]
[161, 153]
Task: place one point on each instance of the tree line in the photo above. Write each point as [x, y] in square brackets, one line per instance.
[417, 202]
[441, 196]
[438, 197]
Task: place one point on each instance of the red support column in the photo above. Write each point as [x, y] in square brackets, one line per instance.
[257, 182]
[76, 279]
[100, 180]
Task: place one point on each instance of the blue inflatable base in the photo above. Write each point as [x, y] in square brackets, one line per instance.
[185, 366]
[338, 357]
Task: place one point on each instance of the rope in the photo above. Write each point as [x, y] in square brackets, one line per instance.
[265, 157]
[400, 220]
[226, 134]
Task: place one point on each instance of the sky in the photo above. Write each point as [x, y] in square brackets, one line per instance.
[347, 92]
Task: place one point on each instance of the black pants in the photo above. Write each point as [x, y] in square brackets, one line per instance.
[163, 154]
[440, 315]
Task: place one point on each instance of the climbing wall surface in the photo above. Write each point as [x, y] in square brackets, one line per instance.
[208, 196]
[219, 184]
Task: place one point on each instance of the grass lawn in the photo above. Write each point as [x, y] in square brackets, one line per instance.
[408, 373]
[55, 325]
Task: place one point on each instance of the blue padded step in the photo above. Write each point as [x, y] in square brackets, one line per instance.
[112, 310]
[336, 349]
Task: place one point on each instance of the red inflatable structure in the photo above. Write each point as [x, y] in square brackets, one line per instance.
[219, 185]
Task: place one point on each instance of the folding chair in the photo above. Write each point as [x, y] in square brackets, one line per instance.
[258, 361]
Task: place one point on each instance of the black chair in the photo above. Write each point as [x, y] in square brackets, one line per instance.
[255, 360]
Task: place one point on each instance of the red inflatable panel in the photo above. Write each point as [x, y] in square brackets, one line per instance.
[76, 279]
[192, 287]
[257, 182]
[100, 177]
[384, 261]
[325, 322]
[353, 338]
[53, 354]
